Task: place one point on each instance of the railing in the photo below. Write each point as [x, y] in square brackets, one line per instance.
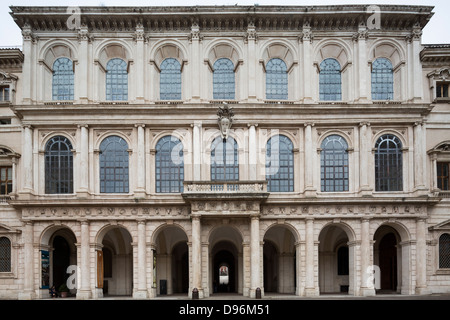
[4, 199]
[444, 194]
[225, 186]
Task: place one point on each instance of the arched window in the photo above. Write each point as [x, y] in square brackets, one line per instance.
[62, 84]
[169, 165]
[388, 164]
[444, 251]
[114, 165]
[276, 79]
[382, 80]
[334, 164]
[170, 80]
[224, 160]
[58, 166]
[116, 80]
[280, 164]
[330, 80]
[5, 254]
[223, 79]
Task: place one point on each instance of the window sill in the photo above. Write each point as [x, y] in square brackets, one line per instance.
[7, 275]
[443, 271]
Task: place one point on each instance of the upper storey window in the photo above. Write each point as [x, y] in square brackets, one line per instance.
[224, 160]
[280, 164]
[388, 164]
[442, 89]
[223, 79]
[170, 81]
[276, 79]
[4, 93]
[330, 80]
[382, 80]
[62, 84]
[114, 165]
[58, 166]
[169, 165]
[116, 80]
[334, 164]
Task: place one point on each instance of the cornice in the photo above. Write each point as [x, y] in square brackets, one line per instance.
[221, 18]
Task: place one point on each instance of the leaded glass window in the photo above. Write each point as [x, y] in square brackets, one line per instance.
[5, 254]
[169, 165]
[280, 164]
[224, 160]
[334, 164]
[444, 251]
[388, 164]
[330, 80]
[58, 166]
[116, 80]
[223, 79]
[276, 79]
[63, 83]
[382, 80]
[170, 80]
[114, 165]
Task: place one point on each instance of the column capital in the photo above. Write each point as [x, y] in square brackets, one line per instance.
[83, 125]
[309, 124]
[252, 124]
[139, 125]
[364, 123]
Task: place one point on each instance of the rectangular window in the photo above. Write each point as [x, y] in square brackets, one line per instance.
[5, 121]
[443, 175]
[442, 90]
[5, 180]
[4, 93]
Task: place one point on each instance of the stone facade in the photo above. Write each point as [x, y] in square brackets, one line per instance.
[303, 241]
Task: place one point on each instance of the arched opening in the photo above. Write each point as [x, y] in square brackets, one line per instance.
[387, 258]
[117, 263]
[225, 268]
[61, 261]
[172, 261]
[279, 260]
[335, 267]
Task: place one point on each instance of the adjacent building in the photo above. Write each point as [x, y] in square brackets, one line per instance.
[151, 151]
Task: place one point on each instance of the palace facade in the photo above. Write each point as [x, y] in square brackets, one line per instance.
[151, 151]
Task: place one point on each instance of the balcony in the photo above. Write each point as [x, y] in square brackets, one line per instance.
[197, 190]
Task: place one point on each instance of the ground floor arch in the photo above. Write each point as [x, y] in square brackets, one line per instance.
[171, 261]
[336, 267]
[225, 261]
[279, 260]
[115, 261]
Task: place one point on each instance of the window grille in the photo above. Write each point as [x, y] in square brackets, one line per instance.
[444, 251]
[223, 79]
[224, 160]
[276, 80]
[330, 80]
[5, 254]
[169, 165]
[114, 165]
[388, 164]
[63, 80]
[280, 164]
[58, 166]
[382, 80]
[334, 164]
[116, 80]
[170, 80]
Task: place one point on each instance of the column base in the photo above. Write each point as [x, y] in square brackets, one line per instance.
[83, 294]
[140, 294]
[82, 194]
[25, 194]
[310, 193]
[423, 290]
[139, 194]
[368, 292]
[312, 292]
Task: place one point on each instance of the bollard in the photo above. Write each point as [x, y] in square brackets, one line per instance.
[258, 293]
[195, 294]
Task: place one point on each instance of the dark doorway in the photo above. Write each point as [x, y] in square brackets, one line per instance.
[388, 262]
[270, 260]
[224, 260]
[180, 272]
[61, 261]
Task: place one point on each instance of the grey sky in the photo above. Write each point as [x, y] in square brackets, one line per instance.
[437, 30]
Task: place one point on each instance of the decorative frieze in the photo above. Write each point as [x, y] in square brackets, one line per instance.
[125, 213]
